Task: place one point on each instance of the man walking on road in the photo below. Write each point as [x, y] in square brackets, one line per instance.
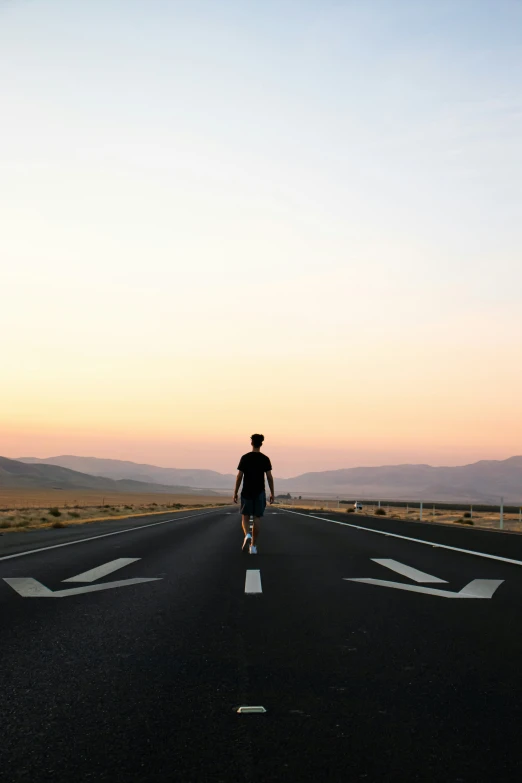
[252, 468]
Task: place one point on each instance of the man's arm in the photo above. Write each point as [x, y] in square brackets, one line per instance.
[270, 484]
[238, 484]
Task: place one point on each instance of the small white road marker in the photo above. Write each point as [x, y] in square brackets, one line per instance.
[247, 710]
[103, 570]
[253, 582]
[411, 573]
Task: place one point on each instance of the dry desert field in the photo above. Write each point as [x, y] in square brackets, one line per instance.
[29, 509]
[482, 519]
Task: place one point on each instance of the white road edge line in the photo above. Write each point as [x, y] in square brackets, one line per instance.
[98, 573]
[407, 538]
[411, 573]
[104, 535]
[253, 582]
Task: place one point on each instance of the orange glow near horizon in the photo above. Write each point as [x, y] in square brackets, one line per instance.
[317, 413]
[333, 417]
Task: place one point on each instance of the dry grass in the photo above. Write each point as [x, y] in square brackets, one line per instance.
[36, 509]
[481, 519]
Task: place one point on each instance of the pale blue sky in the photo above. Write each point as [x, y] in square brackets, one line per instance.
[354, 167]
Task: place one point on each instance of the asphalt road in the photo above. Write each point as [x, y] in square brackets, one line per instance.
[360, 681]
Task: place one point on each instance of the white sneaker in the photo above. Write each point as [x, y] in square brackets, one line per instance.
[246, 542]
[253, 549]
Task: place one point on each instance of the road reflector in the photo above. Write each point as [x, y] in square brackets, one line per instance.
[247, 710]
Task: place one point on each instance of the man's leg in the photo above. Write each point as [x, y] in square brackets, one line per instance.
[259, 510]
[245, 524]
[255, 530]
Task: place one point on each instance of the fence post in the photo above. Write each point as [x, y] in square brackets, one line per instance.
[420, 512]
[471, 511]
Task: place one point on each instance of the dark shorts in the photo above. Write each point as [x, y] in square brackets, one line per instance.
[254, 507]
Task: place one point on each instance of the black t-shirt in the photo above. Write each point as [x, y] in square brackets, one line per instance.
[254, 466]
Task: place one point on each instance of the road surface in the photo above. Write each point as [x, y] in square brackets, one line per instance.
[415, 676]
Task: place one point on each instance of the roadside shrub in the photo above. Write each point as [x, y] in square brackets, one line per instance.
[74, 514]
[4, 523]
[464, 521]
[58, 523]
[55, 512]
[467, 515]
[106, 506]
[44, 519]
[381, 512]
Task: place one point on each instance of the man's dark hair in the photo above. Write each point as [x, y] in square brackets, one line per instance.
[257, 441]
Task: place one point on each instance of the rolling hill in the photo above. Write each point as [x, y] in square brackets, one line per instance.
[122, 469]
[485, 481]
[14, 473]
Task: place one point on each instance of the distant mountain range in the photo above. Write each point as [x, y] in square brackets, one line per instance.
[18, 474]
[482, 482]
[485, 481]
[119, 469]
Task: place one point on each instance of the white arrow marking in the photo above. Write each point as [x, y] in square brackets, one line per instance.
[253, 582]
[30, 588]
[480, 588]
[411, 573]
[103, 570]
[477, 588]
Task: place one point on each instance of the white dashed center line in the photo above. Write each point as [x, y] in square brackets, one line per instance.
[253, 582]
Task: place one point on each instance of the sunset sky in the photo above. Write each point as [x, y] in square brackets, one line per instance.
[295, 217]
